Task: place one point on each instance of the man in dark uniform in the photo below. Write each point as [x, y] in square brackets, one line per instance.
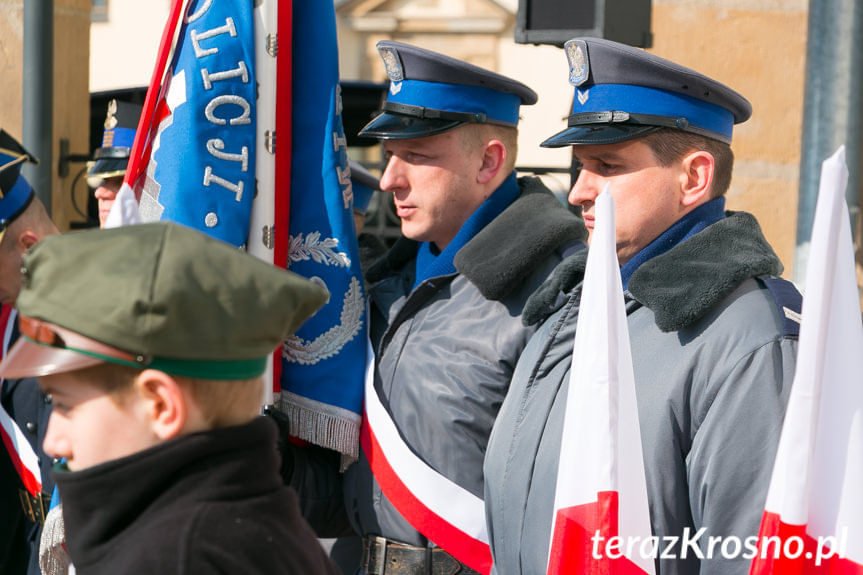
[23, 223]
[446, 302]
[713, 331]
[106, 171]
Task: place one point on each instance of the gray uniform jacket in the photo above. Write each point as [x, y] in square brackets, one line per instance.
[445, 351]
[713, 352]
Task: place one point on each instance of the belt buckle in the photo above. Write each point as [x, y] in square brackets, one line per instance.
[374, 554]
[35, 506]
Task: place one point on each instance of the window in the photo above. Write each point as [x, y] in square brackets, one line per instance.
[99, 11]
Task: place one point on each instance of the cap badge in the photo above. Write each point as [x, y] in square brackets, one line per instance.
[111, 118]
[393, 64]
[579, 66]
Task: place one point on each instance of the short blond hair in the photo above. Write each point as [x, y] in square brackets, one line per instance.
[220, 402]
[477, 135]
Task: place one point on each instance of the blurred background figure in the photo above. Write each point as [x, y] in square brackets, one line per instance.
[365, 184]
[108, 166]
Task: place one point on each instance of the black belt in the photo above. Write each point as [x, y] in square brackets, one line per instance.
[382, 556]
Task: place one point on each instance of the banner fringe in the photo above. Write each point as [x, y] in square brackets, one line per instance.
[323, 425]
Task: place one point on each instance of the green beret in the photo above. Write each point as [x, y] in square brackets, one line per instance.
[177, 300]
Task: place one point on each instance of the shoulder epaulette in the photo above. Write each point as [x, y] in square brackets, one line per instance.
[788, 301]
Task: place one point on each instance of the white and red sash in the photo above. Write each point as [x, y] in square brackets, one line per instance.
[438, 508]
[20, 451]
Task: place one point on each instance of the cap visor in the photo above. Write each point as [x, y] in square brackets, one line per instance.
[108, 167]
[398, 127]
[597, 135]
[29, 359]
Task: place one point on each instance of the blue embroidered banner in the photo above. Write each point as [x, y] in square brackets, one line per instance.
[201, 169]
[323, 366]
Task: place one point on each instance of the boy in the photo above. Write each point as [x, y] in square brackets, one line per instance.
[151, 340]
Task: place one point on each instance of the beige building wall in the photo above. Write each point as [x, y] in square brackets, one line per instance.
[71, 94]
[757, 47]
[123, 48]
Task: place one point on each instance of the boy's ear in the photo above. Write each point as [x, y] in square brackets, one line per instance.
[163, 402]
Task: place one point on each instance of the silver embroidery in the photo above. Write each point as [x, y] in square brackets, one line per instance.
[322, 251]
[332, 341]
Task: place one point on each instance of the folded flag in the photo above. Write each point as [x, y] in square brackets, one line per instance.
[600, 501]
[813, 517]
[324, 364]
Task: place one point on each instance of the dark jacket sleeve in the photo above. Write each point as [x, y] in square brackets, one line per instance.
[314, 473]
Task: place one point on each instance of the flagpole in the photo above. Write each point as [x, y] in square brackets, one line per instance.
[284, 148]
[143, 132]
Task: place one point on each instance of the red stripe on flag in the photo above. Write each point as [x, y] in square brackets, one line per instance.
[33, 485]
[777, 556]
[284, 126]
[473, 553]
[573, 549]
[145, 121]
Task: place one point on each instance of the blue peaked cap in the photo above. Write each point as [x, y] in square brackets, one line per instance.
[623, 92]
[15, 192]
[430, 93]
[110, 160]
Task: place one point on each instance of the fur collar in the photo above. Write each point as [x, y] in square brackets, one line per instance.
[683, 284]
[508, 249]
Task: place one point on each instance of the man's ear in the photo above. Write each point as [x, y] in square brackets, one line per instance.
[162, 400]
[696, 178]
[493, 158]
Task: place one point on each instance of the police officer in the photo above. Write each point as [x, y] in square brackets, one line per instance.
[23, 223]
[445, 304]
[106, 171]
[713, 330]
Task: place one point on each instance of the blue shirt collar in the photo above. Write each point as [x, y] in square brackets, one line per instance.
[684, 228]
[431, 263]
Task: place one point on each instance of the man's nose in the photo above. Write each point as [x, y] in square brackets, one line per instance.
[104, 193]
[585, 189]
[393, 177]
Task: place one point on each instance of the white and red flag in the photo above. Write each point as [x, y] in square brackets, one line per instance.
[813, 518]
[601, 491]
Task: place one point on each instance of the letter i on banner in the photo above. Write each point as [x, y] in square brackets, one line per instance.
[813, 517]
[601, 490]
